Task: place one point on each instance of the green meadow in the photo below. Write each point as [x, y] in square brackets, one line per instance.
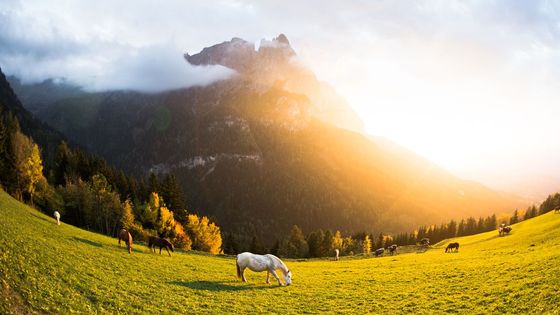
[45, 268]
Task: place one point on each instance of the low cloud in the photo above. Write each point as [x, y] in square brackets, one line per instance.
[35, 48]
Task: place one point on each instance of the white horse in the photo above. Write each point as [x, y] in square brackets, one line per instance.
[259, 263]
[57, 217]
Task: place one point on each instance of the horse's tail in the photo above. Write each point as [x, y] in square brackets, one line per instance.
[238, 269]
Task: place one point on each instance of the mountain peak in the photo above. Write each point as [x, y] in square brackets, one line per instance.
[282, 39]
[240, 55]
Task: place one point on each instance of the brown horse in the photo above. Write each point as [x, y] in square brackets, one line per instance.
[125, 236]
[452, 246]
[161, 243]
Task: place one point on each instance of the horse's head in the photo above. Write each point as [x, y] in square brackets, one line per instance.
[288, 277]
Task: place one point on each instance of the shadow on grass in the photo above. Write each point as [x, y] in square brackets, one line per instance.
[85, 241]
[220, 285]
[53, 221]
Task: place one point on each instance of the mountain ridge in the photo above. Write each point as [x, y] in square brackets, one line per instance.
[259, 159]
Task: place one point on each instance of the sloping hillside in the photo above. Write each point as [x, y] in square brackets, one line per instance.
[45, 268]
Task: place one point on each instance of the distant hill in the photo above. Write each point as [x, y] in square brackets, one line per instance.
[266, 149]
[48, 268]
[47, 137]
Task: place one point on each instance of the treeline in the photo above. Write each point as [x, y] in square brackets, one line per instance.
[322, 243]
[93, 195]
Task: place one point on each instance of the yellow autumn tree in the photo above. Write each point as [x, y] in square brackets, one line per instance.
[205, 235]
[29, 166]
[127, 219]
[337, 240]
[168, 227]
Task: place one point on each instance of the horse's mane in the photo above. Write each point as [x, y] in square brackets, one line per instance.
[280, 262]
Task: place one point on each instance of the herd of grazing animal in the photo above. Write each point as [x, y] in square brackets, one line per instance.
[271, 263]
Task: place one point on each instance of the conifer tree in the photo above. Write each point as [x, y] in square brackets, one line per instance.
[173, 195]
[515, 218]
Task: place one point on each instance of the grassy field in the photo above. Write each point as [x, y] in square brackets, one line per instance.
[45, 268]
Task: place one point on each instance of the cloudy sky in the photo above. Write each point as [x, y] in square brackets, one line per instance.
[471, 85]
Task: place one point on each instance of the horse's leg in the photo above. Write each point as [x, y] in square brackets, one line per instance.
[167, 249]
[243, 275]
[273, 272]
[267, 277]
[160, 250]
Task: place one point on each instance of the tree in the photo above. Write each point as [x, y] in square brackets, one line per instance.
[451, 229]
[173, 195]
[315, 242]
[204, 234]
[366, 245]
[168, 227]
[337, 240]
[106, 206]
[153, 183]
[28, 164]
[491, 223]
[148, 213]
[379, 242]
[8, 170]
[295, 245]
[515, 218]
[127, 218]
[470, 227]
[230, 245]
[257, 245]
[461, 230]
[530, 213]
[327, 246]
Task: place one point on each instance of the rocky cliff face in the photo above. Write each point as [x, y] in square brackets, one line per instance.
[275, 64]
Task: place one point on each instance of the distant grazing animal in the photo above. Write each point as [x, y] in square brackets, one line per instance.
[503, 230]
[258, 263]
[425, 241]
[57, 217]
[154, 242]
[557, 209]
[379, 252]
[126, 238]
[452, 246]
[336, 252]
[392, 249]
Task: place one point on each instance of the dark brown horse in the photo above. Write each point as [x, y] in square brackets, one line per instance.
[161, 243]
[503, 230]
[451, 247]
[126, 238]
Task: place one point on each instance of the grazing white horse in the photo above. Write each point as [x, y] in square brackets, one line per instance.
[259, 263]
[57, 217]
[336, 253]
